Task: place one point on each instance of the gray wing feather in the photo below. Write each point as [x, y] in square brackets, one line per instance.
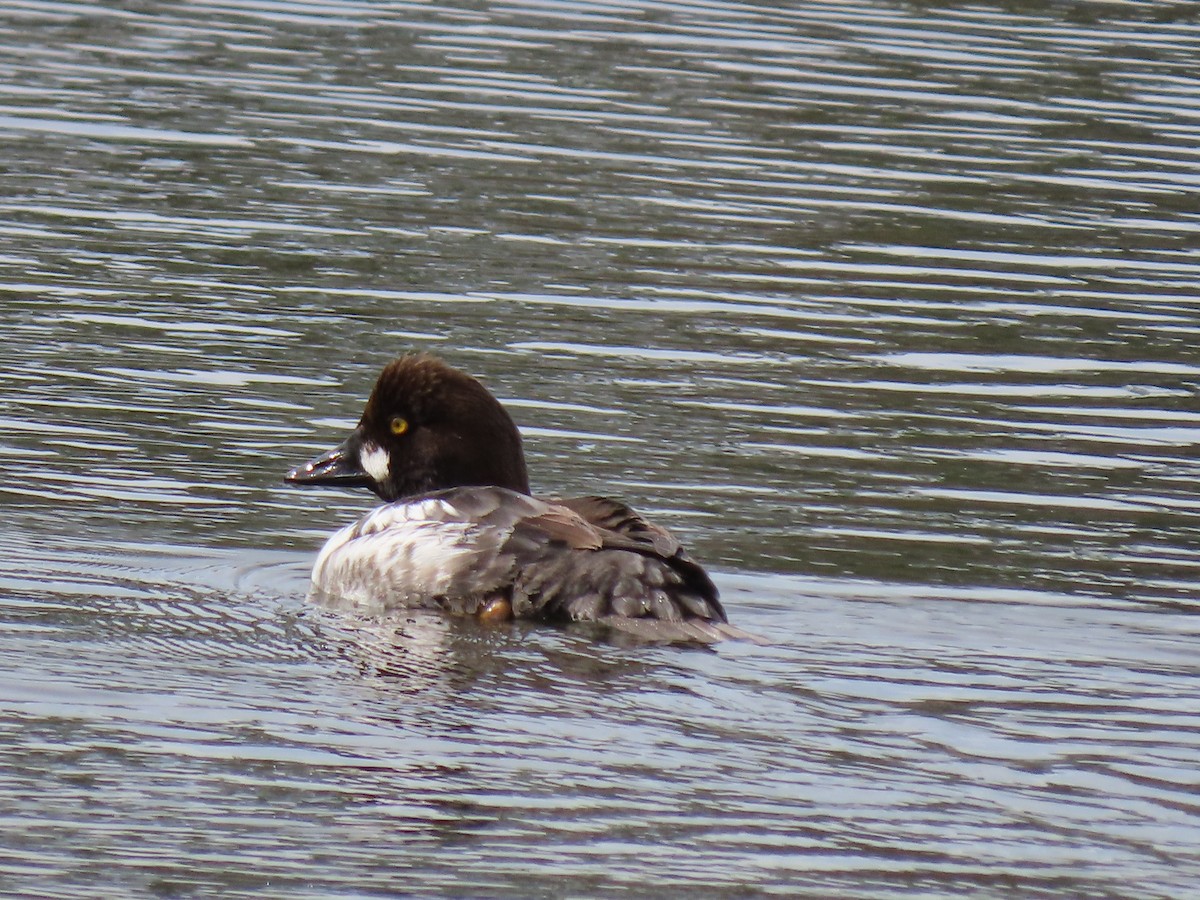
[624, 570]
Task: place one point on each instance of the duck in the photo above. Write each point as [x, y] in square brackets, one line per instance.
[459, 529]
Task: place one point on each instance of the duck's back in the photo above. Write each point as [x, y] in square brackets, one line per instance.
[585, 559]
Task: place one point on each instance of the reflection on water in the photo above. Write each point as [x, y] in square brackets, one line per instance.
[889, 311]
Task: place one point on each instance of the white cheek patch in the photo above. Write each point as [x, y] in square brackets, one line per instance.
[374, 461]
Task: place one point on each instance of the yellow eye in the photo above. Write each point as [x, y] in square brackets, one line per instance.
[399, 424]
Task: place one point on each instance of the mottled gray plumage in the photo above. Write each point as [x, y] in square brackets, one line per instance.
[462, 530]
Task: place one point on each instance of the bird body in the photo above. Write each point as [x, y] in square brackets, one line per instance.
[459, 530]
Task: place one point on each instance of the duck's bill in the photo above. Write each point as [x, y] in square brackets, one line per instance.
[339, 467]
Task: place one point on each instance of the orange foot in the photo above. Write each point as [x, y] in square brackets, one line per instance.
[497, 609]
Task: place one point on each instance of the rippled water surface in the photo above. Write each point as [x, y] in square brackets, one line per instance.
[889, 311]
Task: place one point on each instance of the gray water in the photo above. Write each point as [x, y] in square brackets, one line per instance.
[889, 311]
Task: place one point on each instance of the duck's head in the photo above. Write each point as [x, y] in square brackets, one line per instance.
[427, 426]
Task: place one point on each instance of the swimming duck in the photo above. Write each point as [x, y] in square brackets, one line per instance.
[460, 531]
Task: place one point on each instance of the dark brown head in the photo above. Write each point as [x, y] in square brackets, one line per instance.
[426, 427]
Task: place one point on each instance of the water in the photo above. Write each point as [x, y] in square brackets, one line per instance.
[890, 312]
